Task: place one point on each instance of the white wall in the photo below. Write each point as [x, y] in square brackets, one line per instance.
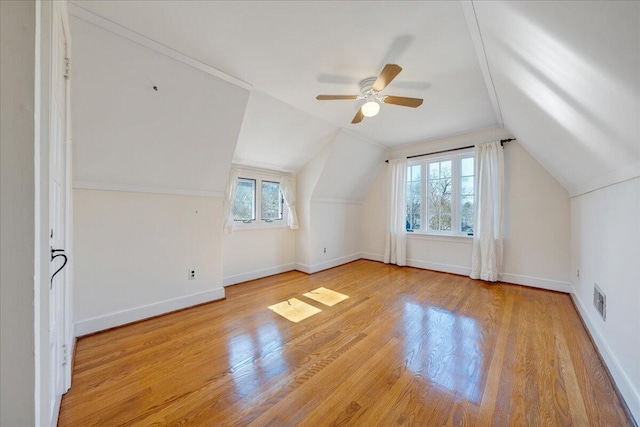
[334, 226]
[306, 181]
[605, 247]
[536, 242]
[251, 254]
[180, 137]
[134, 250]
[330, 189]
[17, 208]
[164, 156]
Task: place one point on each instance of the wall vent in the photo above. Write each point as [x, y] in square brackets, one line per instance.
[600, 301]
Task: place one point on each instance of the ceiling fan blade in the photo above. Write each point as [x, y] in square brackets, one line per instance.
[403, 101]
[332, 97]
[358, 117]
[388, 73]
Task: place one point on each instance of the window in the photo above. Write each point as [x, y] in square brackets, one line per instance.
[258, 200]
[440, 194]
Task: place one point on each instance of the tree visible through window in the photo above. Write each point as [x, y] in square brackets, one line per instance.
[248, 203]
[414, 198]
[271, 201]
[441, 191]
[244, 207]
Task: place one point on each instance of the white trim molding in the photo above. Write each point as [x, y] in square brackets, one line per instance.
[107, 321]
[620, 175]
[325, 265]
[140, 39]
[127, 188]
[373, 257]
[257, 274]
[476, 38]
[443, 268]
[622, 381]
[535, 282]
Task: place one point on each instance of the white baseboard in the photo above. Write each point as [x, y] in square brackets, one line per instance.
[310, 269]
[373, 257]
[629, 393]
[536, 282]
[123, 317]
[305, 268]
[445, 268]
[257, 274]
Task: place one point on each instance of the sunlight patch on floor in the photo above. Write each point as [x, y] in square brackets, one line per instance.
[326, 296]
[294, 310]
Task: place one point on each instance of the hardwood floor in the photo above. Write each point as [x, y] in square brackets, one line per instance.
[409, 347]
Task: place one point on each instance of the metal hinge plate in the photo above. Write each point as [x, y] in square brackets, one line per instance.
[67, 68]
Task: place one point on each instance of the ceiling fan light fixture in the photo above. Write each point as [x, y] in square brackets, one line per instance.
[370, 109]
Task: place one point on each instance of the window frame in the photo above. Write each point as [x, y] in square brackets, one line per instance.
[258, 222]
[456, 201]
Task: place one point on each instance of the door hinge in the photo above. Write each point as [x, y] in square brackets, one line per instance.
[65, 354]
[67, 67]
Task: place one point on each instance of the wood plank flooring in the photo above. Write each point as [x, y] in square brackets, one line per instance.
[409, 347]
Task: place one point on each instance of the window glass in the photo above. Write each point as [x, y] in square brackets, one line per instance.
[439, 196]
[467, 193]
[244, 206]
[271, 205]
[414, 196]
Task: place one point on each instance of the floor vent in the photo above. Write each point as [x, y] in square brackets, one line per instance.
[600, 301]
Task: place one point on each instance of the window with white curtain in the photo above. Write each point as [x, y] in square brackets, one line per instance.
[440, 194]
[258, 201]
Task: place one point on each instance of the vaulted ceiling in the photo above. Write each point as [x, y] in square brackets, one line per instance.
[563, 77]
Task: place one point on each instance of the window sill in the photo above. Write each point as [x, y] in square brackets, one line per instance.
[240, 226]
[453, 238]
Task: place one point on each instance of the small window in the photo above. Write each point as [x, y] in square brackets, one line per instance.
[258, 201]
[244, 207]
[271, 201]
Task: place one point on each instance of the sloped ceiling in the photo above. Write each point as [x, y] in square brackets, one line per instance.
[565, 74]
[126, 134]
[295, 50]
[278, 136]
[567, 78]
[350, 167]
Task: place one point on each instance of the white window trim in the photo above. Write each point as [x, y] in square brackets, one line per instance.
[261, 175]
[455, 192]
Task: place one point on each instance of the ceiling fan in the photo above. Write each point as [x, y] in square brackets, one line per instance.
[370, 89]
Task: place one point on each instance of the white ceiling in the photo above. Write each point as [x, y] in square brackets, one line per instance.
[294, 50]
[566, 74]
[567, 77]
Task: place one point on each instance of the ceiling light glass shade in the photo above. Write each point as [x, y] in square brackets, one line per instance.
[370, 109]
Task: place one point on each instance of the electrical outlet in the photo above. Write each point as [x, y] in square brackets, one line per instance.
[325, 251]
[192, 274]
[578, 273]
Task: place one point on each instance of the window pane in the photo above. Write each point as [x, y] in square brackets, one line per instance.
[245, 202]
[467, 167]
[466, 186]
[271, 203]
[439, 196]
[445, 169]
[466, 214]
[434, 170]
[415, 173]
[413, 204]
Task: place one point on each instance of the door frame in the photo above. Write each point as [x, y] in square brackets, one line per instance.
[46, 12]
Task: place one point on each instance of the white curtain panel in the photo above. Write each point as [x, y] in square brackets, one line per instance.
[395, 251]
[289, 196]
[229, 197]
[486, 259]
